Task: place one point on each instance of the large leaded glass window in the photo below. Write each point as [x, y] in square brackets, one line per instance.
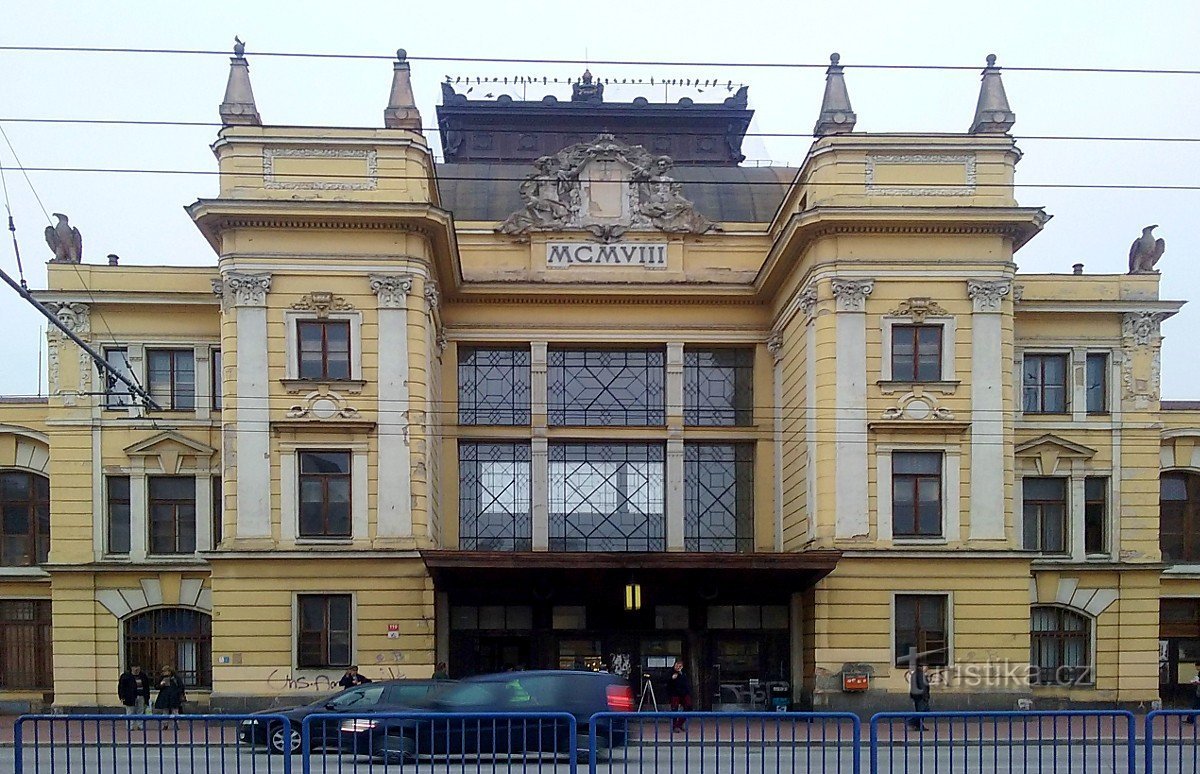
[607, 497]
[606, 387]
[494, 505]
[718, 387]
[493, 386]
[718, 484]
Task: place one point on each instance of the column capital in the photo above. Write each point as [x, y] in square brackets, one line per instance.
[392, 289]
[851, 294]
[775, 345]
[242, 290]
[986, 294]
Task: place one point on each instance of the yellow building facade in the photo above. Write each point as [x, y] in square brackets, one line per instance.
[572, 399]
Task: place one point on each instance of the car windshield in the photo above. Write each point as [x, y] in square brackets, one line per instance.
[357, 698]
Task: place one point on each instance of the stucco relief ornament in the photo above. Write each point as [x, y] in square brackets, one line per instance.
[1142, 327]
[391, 289]
[918, 308]
[433, 295]
[808, 301]
[322, 302]
[76, 317]
[775, 345]
[556, 196]
[851, 295]
[242, 289]
[323, 406]
[987, 294]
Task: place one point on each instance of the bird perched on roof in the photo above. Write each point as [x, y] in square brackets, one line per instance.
[239, 48]
[65, 241]
[1145, 252]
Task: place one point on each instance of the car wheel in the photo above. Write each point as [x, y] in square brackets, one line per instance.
[279, 745]
[398, 749]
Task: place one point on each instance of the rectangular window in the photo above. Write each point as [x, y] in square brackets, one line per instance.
[718, 387]
[24, 518]
[218, 512]
[1045, 384]
[323, 633]
[1097, 382]
[718, 503]
[603, 388]
[921, 629]
[917, 494]
[1045, 515]
[217, 380]
[1179, 516]
[172, 515]
[493, 386]
[1095, 515]
[172, 378]
[116, 392]
[118, 514]
[325, 494]
[324, 349]
[494, 506]
[607, 497]
[916, 353]
[25, 645]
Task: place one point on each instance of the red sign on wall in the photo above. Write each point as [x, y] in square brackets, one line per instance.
[393, 627]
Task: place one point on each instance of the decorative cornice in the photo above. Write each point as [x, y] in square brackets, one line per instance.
[238, 290]
[322, 302]
[392, 289]
[1142, 328]
[851, 295]
[76, 317]
[986, 294]
[369, 157]
[918, 308]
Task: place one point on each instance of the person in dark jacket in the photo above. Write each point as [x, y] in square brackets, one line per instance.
[918, 691]
[171, 695]
[133, 689]
[1195, 697]
[679, 693]
[353, 678]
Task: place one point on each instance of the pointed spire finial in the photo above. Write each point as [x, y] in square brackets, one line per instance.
[837, 117]
[992, 114]
[238, 107]
[401, 111]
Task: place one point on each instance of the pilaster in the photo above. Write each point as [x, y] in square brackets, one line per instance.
[852, 516]
[987, 409]
[394, 510]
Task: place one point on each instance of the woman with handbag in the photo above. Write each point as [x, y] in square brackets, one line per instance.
[171, 695]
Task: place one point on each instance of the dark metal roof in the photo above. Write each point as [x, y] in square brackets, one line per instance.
[723, 194]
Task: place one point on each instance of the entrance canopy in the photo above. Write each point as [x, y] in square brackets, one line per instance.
[709, 575]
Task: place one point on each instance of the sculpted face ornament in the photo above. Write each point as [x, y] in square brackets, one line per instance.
[556, 199]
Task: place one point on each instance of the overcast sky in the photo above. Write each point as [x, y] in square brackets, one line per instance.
[140, 216]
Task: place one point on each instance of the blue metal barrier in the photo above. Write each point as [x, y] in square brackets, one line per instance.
[484, 741]
[725, 742]
[1172, 742]
[1077, 741]
[121, 744]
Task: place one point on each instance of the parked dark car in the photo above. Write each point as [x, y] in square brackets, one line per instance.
[382, 696]
[581, 694]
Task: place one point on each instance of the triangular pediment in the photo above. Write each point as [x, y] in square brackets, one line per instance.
[1047, 450]
[172, 450]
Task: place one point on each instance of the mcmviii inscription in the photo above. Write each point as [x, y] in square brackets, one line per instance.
[650, 255]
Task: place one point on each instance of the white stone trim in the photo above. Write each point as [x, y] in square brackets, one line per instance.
[292, 345]
[675, 506]
[293, 659]
[810, 429]
[949, 597]
[126, 602]
[289, 490]
[967, 160]
[988, 517]
[252, 418]
[369, 157]
[951, 491]
[949, 327]
[394, 512]
[852, 516]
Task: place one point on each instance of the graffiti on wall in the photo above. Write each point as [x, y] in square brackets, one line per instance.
[285, 680]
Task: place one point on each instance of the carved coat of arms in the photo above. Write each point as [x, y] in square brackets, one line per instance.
[607, 188]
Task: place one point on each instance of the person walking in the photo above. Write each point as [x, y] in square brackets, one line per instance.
[352, 678]
[679, 693]
[133, 689]
[440, 672]
[171, 695]
[918, 691]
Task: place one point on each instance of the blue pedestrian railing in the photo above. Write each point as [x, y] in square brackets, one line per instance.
[104, 744]
[403, 741]
[1077, 741]
[1172, 743]
[724, 742]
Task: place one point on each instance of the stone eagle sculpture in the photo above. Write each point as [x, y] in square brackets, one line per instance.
[1145, 252]
[65, 241]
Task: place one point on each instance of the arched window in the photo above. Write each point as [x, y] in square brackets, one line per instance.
[174, 637]
[1179, 515]
[25, 516]
[1060, 647]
